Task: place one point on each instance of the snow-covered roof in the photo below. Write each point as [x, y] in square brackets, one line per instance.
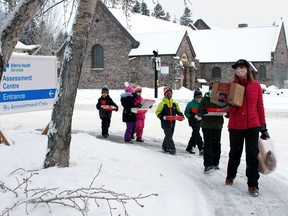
[228, 45]
[211, 45]
[137, 23]
[156, 41]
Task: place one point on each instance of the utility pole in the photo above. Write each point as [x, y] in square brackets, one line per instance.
[157, 67]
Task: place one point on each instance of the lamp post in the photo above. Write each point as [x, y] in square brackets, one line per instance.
[157, 66]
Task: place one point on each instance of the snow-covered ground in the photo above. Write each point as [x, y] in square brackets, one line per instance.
[182, 187]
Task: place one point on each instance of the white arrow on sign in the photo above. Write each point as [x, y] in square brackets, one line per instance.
[51, 94]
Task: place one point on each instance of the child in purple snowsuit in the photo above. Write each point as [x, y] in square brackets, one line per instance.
[140, 117]
[127, 101]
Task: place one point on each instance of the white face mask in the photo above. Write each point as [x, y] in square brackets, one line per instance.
[198, 100]
[138, 93]
[241, 71]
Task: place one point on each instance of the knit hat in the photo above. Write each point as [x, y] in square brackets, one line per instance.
[167, 89]
[137, 89]
[129, 89]
[197, 92]
[241, 62]
[105, 89]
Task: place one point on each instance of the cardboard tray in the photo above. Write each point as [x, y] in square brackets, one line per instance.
[179, 118]
[138, 110]
[147, 103]
[215, 112]
[108, 108]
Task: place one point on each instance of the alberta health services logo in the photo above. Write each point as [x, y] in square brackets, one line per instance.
[28, 83]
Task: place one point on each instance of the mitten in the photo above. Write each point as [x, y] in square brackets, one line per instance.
[160, 117]
[227, 115]
[264, 132]
[198, 118]
[222, 101]
[204, 111]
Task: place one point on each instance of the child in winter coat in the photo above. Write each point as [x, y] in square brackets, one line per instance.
[212, 129]
[168, 107]
[127, 101]
[190, 112]
[140, 117]
[105, 115]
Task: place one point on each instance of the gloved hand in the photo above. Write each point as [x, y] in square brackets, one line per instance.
[205, 111]
[227, 115]
[222, 101]
[198, 118]
[264, 132]
[160, 117]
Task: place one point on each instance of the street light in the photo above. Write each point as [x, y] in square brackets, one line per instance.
[157, 67]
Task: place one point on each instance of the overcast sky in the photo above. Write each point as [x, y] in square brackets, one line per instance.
[229, 13]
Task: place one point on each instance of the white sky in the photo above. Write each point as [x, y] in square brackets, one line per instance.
[229, 13]
[182, 187]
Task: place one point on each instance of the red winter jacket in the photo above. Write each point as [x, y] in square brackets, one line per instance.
[251, 113]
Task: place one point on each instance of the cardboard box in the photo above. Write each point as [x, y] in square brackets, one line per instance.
[234, 92]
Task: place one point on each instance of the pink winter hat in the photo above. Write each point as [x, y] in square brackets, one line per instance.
[129, 89]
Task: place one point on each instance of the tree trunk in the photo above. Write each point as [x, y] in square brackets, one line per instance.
[59, 135]
[15, 24]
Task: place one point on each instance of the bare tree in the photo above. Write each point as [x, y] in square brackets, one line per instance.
[59, 135]
[14, 26]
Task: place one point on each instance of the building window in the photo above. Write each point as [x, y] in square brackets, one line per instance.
[216, 72]
[97, 56]
[262, 72]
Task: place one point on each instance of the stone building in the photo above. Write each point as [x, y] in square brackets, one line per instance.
[120, 49]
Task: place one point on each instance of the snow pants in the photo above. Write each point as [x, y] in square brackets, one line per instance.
[105, 124]
[195, 139]
[130, 130]
[212, 146]
[168, 143]
[237, 138]
[139, 127]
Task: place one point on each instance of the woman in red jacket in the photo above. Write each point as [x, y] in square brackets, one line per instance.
[245, 123]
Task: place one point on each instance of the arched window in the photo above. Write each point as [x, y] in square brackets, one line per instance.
[216, 72]
[262, 72]
[97, 56]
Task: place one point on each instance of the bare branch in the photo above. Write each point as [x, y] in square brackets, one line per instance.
[78, 199]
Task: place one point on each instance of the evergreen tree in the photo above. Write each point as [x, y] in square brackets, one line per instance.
[159, 13]
[144, 9]
[186, 18]
[136, 8]
[167, 17]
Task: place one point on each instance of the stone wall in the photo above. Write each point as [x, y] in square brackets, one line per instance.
[116, 49]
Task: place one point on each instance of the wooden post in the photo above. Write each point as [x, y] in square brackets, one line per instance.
[45, 131]
[4, 139]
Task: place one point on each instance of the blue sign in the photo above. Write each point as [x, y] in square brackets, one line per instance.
[13, 96]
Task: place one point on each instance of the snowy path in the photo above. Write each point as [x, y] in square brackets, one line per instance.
[226, 200]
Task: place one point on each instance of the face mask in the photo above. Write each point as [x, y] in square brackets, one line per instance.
[241, 72]
[138, 93]
[168, 95]
[198, 100]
